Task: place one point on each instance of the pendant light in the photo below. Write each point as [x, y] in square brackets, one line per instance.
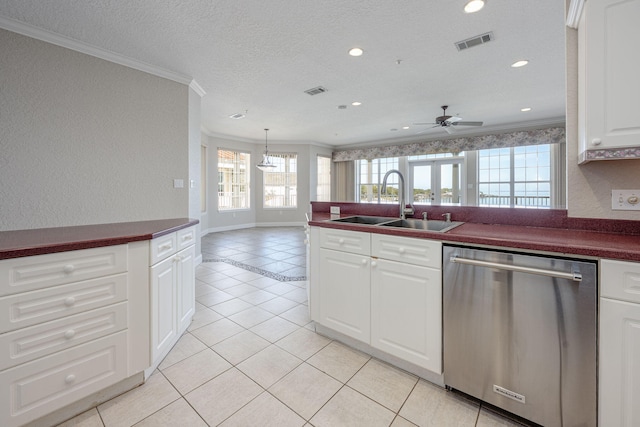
[265, 165]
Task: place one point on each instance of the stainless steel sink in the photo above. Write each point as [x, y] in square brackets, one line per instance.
[359, 219]
[418, 224]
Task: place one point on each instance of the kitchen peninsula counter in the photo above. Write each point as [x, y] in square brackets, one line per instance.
[21, 243]
[522, 230]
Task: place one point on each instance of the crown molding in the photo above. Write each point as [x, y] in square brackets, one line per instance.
[574, 13]
[82, 47]
[197, 88]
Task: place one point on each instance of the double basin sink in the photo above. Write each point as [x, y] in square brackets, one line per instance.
[413, 224]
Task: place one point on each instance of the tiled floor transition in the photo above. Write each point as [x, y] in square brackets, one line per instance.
[251, 357]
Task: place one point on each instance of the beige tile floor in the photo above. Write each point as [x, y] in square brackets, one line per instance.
[251, 358]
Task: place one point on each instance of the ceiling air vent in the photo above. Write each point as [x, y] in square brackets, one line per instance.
[315, 90]
[474, 41]
[237, 116]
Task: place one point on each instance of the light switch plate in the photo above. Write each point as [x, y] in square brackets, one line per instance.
[178, 183]
[625, 200]
[334, 210]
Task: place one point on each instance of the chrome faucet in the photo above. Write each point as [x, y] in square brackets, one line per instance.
[447, 217]
[403, 209]
[424, 216]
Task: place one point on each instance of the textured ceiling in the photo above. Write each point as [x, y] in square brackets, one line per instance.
[260, 56]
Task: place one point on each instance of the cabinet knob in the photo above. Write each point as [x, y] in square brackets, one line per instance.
[165, 247]
[401, 250]
[341, 241]
[69, 379]
[306, 241]
[68, 268]
[69, 301]
[187, 237]
[373, 263]
[69, 334]
[596, 141]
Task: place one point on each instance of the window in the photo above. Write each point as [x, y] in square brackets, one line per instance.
[436, 180]
[280, 185]
[370, 176]
[517, 176]
[323, 191]
[233, 180]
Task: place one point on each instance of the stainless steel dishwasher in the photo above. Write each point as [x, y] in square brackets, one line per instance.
[520, 333]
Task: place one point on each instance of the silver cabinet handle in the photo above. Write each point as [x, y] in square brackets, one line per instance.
[575, 276]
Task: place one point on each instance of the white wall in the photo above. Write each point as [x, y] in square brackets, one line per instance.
[193, 184]
[257, 215]
[85, 141]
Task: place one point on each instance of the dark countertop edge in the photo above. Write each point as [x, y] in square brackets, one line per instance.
[458, 236]
[22, 243]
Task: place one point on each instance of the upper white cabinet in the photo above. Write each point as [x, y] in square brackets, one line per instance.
[619, 376]
[609, 87]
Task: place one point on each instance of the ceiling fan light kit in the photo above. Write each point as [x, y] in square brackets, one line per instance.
[265, 165]
[449, 122]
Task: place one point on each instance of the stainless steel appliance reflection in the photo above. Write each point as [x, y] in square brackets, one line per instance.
[520, 333]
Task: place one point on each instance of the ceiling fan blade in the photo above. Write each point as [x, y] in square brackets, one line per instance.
[453, 119]
[420, 124]
[449, 129]
[463, 123]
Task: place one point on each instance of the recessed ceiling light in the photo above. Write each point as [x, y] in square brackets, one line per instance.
[473, 6]
[237, 116]
[405, 127]
[524, 110]
[356, 103]
[356, 51]
[520, 63]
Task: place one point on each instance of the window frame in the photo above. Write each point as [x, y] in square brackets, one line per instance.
[286, 186]
[246, 197]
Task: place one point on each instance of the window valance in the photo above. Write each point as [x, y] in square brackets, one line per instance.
[551, 135]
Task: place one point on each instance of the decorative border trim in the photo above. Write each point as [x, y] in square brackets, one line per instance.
[512, 139]
[276, 276]
[574, 13]
[610, 154]
[82, 47]
[197, 88]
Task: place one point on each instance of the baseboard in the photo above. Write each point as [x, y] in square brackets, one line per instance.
[252, 225]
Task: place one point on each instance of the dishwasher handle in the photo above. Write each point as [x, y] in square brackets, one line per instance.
[575, 276]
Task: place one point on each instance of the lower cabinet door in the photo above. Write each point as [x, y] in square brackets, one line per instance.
[619, 365]
[345, 293]
[163, 307]
[406, 312]
[34, 389]
[186, 303]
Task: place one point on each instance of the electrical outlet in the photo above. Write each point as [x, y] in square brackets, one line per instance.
[334, 210]
[625, 200]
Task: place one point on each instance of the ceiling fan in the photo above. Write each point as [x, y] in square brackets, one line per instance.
[449, 123]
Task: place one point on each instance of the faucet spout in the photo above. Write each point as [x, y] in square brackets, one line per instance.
[401, 192]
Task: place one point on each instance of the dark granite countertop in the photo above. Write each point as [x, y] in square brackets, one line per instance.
[21, 243]
[578, 241]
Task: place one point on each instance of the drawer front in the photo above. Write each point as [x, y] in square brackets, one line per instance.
[47, 338]
[43, 271]
[427, 253]
[620, 280]
[186, 237]
[346, 241]
[31, 308]
[163, 247]
[37, 388]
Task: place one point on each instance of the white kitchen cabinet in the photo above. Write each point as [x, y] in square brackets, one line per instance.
[345, 299]
[64, 329]
[619, 365]
[608, 85]
[172, 293]
[406, 312]
[384, 291]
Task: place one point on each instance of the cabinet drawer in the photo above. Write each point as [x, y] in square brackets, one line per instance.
[163, 247]
[186, 237]
[427, 253]
[37, 388]
[30, 343]
[346, 241]
[31, 308]
[43, 271]
[620, 280]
